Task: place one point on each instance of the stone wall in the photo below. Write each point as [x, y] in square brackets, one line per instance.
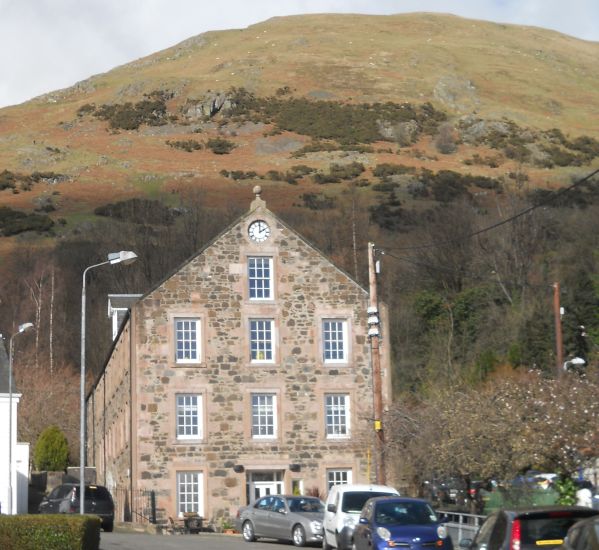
[213, 287]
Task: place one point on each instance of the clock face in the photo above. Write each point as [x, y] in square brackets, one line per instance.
[259, 231]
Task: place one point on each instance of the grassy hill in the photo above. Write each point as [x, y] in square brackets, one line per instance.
[411, 131]
[532, 78]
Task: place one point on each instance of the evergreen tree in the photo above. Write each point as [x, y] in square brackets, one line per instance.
[51, 450]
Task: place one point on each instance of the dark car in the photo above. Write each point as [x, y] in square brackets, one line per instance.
[282, 517]
[583, 535]
[389, 522]
[64, 499]
[525, 529]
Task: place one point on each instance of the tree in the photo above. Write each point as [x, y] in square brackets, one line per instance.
[52, 450]
[515, 421]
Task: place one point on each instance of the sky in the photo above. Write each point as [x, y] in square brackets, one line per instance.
[47, 45]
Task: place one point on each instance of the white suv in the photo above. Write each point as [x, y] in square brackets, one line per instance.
[343, 507]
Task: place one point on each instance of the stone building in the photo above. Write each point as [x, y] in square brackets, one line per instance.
[245, 372]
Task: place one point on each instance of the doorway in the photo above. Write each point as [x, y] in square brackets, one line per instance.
[264, 483]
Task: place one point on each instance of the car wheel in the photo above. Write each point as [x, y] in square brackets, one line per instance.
[247, 530]
[298, 535]
[108, 526]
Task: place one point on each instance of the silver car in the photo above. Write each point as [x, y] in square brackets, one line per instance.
[294, 518]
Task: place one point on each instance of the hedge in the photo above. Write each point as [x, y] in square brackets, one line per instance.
[50, 532]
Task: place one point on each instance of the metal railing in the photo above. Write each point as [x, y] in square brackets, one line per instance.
[461, 525]
[134, 506]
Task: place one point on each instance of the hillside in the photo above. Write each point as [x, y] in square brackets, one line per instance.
[410, 131]
[531, 77]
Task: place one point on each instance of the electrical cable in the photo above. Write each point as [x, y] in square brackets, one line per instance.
[548, 200]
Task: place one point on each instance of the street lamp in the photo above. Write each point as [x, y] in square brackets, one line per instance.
[125, 257]
[22, 328]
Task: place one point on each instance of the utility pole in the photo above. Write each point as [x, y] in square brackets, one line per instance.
[377, 386]
[557, 314]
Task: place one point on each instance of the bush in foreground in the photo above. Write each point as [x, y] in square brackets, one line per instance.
[50, 532]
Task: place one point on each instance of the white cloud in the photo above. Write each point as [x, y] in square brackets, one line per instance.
[51, 44]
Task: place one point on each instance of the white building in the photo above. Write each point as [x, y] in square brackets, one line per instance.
[20, 451]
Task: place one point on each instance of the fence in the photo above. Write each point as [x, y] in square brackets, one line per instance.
[460, 526]
[134, 506]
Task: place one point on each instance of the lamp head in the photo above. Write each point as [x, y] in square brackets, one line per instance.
[124, 257]
[25, 326]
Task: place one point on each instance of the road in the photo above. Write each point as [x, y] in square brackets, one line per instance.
[205, 541]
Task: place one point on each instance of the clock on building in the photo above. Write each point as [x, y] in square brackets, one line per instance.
[259, 231]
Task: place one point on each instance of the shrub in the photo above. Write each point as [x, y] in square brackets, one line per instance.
[188, 145]
[275, 175]
[346, 171]
[50, 532]
[86, 109]
[315, 201]
[141, 211]
[220, 146]
[51, 450]
[128, 116]
[348, 124]
[390, 215]
[322, 178]
[13, 222]
[315, 147]
[7, 180]
[387, 169]
[300, 170]
[50, 177]
[561, 157]
[241, 175]
[384, 187]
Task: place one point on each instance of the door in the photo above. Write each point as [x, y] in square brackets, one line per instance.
[261, 484]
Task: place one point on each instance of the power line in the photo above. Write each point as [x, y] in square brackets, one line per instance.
[528, 210]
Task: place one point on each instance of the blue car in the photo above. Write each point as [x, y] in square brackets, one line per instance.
[400, 522]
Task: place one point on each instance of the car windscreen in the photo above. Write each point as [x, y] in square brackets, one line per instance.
[95, 492]
[548, 532]
[404, 513]
[305, 505]
[353, 501]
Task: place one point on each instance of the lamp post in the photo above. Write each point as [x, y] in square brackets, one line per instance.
[377, 384]
[125, 257]
[22, 328]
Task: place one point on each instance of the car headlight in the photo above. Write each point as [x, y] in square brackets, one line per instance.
[383, 532]
[349, 521]
[442, 531]
[316, 526]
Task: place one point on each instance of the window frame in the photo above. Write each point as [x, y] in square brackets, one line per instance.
[335, 472]
[197, 499]
[272, 412]
[199, 412]
[270, 278]
[263, 342]
[344, 341]
[197, 340]
[329, 427]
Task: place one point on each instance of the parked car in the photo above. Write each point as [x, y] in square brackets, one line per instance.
[526, 529]
[64, 499]
[294, 518]
[343, 507]
[390, 522]
[583, 535]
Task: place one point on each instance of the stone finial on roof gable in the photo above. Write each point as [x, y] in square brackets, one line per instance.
[257, 202]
